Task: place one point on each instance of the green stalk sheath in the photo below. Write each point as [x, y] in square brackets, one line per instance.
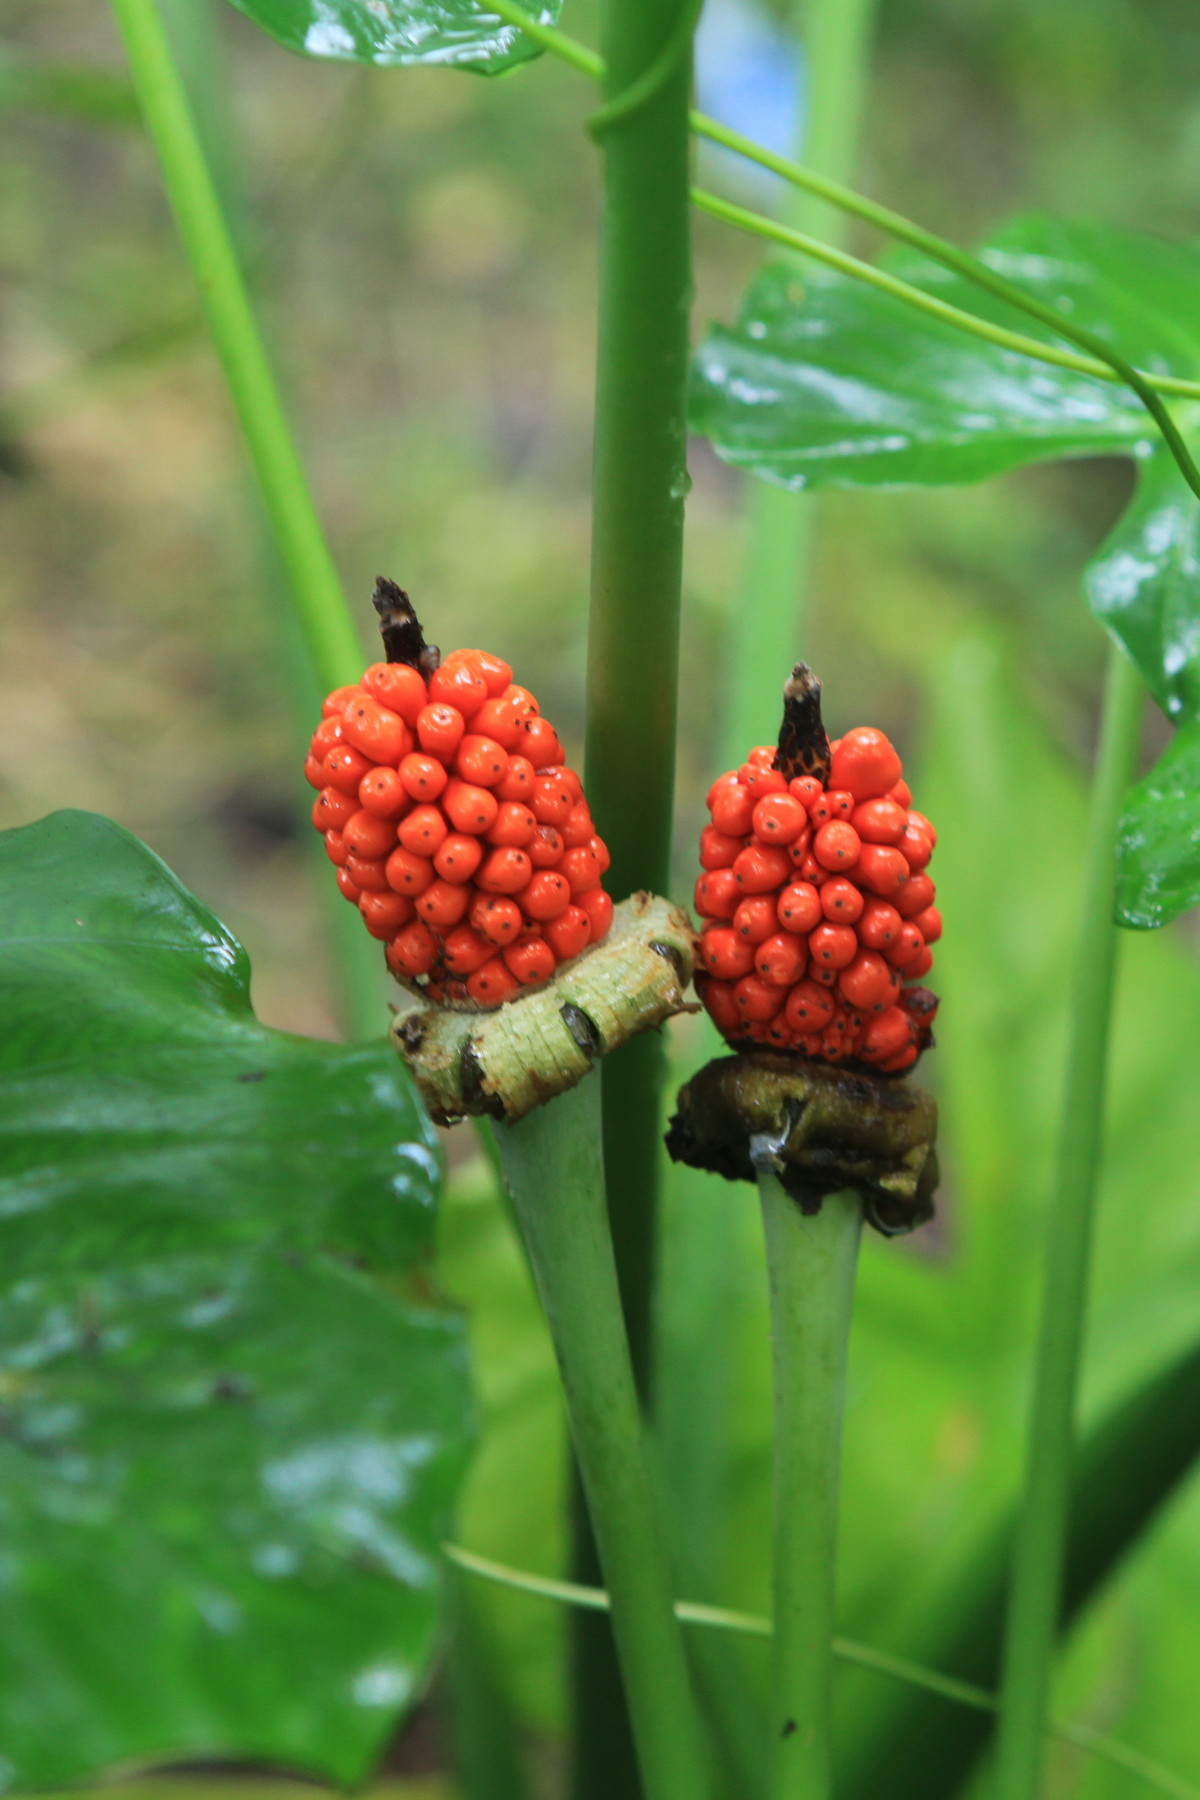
[1034, 1598]
[328, 630]
[811, 1262]
[554, 1174]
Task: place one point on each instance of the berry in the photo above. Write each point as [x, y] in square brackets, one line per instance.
[815, 904]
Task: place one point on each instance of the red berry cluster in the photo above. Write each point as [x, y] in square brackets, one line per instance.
[816, 905]
[456, 830]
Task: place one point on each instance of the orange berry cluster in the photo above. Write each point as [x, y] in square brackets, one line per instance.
[456, 830]
[816, 905]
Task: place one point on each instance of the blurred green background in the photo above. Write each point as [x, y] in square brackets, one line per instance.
[423, 249]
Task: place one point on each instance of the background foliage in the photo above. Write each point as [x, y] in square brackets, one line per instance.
[423, 246]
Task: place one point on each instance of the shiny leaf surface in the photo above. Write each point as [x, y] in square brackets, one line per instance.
[1158, 839]
[399, 33]
[230, 1433]
[825, 382]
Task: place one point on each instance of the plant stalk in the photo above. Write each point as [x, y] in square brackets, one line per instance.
[329, 633]
[554, 1173]
[811, 1263]
[1035, 1595]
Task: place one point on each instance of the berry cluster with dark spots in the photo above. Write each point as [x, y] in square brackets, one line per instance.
[454, 826]
[818, 911]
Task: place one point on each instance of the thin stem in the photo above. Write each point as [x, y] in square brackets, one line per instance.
[328, 629]
[1035, 1595]
[948, 1687]
[916, 297]
[554, 1173]
[811, 1262]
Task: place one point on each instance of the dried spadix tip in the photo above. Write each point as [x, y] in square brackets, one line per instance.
[817, 1127]
[505, 1062]
[803, 743]
[400, 628]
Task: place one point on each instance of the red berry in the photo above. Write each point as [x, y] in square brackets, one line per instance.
[376, 730]
[482, 761]
[778, 818]
[921, 966]
[719, 1002]
[717, 850]
[384, 913]
[755, 918]
[513, 826]
[331, 810]
[866, 982]
[465, 950]
[733, 810]
[423, 776]
[382, 792]
[494, 672]
[551, 801]
[759, 780]
[907, 947]
[577, 827]
[541, 743]
[407, 873]
[496, 919]
[717, 894]
[809, 1008]
[865, 763]
[916, 847]
[367, 871]
[348, 887]
[500, 720]
[882, 868]
[916, 894]
[834, 803]
[457, 857]
[545, 848]
[336, 848]
[334, 704]
[806, 789]
[832, 946]
[841, 901]
[725, 953]
[887, 1034]
[547, 895]
[580, 868]
[455, 684]
[530, 959]
[443, 905]
[879, 925]
[469, 808]
[879, 821]
[504, 872]
[599, 850]
[781, 959]
[397, 687]
[599, 909]
[837, 845]
[493, 984]
[568, 935]
[929, 924]
[518, 781]
[799, 907]
[439, 730]
[369, 836]
[757, 1000]
[345, 768]
[757, 870]
[423, 830]
[413, 951]
[901, 794]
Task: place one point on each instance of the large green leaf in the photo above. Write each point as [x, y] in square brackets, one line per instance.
[400, 33]
[231, 1430]
[1158, 839]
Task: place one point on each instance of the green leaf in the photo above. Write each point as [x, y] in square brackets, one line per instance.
[825, 382]
[1144, 584]
[1158, 839]
[400, 33]
[230, 1430]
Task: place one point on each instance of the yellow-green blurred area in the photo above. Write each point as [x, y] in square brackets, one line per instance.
[422, 245]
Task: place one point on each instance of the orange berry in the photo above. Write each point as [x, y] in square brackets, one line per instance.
[886, 1035]
[882, 868]
[412, 951]
[481, 760]
[755, 918]
[528, 706]
[917, 848]
[568, 935]
[513, 825]
[494, 672]
[841, 901]
[492, 984]
[457, 857]
[717, 894]
[572, 780]
[879, 821]
[832, 803]
[541, 743]
[762, 756]
[456, 684]
[518, 782]
[407, 873]
[551, 801]
[444, 904]
[837, 845]
[464, 950]
[314, 771]
[367, 872]
[336, 848]
[545, 848]
[781, 959]
[422, 830]
[758, 869]
[907, 947]
[398, 687]
[423, 776]
[383, 793]
[732, 809]
[806, 788]
[599, 909]
[717, 850]
[469, 808]
[331, 810]
[916, 894]
[369, 836]
[580, 868]
[832, 946]
[334, 704]
[865, 763]
[725, 953]
[496, 919]
[879, 925]
[577, 827]
[929, 924]
[901, 794]
[867, 981]
[547, 895]
[384, 913]
[778, 818]
[758, 780]
[799, 907]
[757, 1000]
[348, 887]
[439, 730]
[800, 848]
[505, 872]
[376, 730]
[501, 721]
[530, 959]
[345, 768]
[599, 850]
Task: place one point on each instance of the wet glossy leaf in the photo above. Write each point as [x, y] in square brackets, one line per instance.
[1158, 840]
[230, 1431]
[399, 33]
[1144, 584]
[824, 382]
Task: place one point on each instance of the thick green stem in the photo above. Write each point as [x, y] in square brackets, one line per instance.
[553, 1170]
[1035, 1595]
[329, 632]
[811, 1262]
